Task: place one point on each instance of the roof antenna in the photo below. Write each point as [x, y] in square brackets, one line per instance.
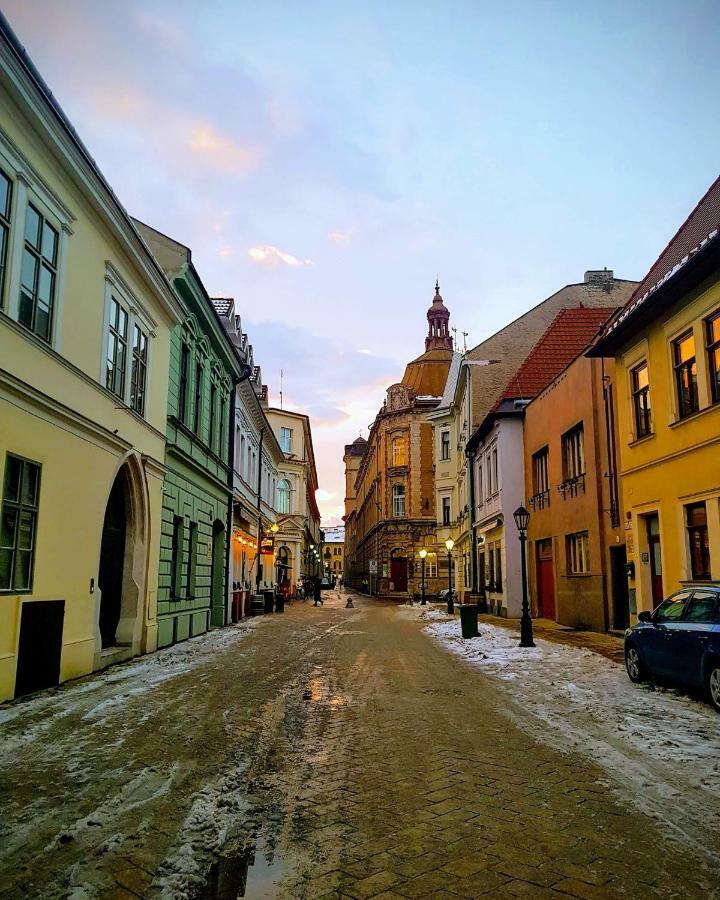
[465, 337]
[454, 331]
[281, 382]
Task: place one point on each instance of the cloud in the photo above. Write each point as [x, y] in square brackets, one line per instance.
[272, 257]
[341, 237]
[225, 154]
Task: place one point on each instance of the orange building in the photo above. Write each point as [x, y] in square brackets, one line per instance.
[576, 538]
[390, 505]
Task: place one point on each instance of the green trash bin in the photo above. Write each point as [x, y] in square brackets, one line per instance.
[469, 620]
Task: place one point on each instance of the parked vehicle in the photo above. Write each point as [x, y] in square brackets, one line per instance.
[443, 595]
[679, 642]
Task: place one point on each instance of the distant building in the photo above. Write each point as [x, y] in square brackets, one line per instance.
[298, 517]
[666, 348]
[390, 505]
[333, 551]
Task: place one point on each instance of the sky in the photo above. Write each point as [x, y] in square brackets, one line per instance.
[326, 161]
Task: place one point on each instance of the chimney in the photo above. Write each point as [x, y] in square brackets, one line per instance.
[601, 279]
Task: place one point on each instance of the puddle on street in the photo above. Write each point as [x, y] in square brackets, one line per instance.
[251, 873]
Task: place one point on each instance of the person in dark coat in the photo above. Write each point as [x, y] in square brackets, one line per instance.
[318, 595]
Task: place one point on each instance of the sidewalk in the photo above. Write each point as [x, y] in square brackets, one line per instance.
[607, 645]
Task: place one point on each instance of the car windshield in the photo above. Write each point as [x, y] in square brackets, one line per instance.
[671, 609]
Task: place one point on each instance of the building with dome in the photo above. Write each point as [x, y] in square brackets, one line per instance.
[390, 497]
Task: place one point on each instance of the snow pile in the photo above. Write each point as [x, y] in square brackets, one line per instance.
[660, 743]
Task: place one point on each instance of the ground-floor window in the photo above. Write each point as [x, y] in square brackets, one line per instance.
[18, 523]
[697, 529]
[578, 557]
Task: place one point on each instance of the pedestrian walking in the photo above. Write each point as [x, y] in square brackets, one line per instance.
[318, 595]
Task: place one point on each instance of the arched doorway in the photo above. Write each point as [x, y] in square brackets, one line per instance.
[398, 570]
[217, 575]
[112, 560]
[122, 570]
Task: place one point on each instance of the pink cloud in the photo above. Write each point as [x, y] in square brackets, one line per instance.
[271, 257]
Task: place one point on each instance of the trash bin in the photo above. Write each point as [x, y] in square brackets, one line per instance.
[279, 603]
[269, 598]
[257, 607]
[469, 620]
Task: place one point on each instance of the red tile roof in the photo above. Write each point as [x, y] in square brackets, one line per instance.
[569, 333]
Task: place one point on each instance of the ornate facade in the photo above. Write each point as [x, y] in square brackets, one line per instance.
[390, 503]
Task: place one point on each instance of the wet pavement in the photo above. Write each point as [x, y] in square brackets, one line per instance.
[325, 752]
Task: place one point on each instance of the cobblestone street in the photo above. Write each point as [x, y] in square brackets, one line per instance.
[326, 752]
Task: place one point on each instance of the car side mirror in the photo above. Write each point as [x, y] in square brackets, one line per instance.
[645, 617]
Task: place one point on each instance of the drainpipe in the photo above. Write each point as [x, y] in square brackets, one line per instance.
[259, 510]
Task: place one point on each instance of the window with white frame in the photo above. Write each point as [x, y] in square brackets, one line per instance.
[445, 444]
[286, 440]
[479, 486]
[127, 353]
[398, 501]
[431, 565]
[496, 482]
[38, 273]
[573, 453]
[578, 557]
[283, 496]
[399, 451]
[446, 512]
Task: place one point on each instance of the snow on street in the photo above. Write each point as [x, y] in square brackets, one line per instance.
[662, 744]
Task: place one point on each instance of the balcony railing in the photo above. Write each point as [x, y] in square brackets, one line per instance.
[541, 500]
[571, 487]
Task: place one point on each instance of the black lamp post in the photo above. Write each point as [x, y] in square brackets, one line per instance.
[423, 554]
[522, 517]
[450, 543]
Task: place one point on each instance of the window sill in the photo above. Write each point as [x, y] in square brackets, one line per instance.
[691, 417]
[579, 575]
[641, 440]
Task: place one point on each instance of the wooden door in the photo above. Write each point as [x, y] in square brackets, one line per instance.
[398, 573]
[545, 579]
[655, 552]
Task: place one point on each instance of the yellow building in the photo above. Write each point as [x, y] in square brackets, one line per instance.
[85, 321]
[666, 345]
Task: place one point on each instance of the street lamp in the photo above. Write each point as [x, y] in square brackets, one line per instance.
[450, 543]
[522, 517]
[423, 554]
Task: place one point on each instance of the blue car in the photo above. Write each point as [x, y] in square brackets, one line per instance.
[679, 641]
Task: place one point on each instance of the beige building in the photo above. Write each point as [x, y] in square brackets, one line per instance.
[333, 551]
[85, 322]
[298, 540]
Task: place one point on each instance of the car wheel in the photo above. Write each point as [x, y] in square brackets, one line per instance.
[714, 685]
[633, 664]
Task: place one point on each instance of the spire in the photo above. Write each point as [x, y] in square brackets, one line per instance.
[438, 337]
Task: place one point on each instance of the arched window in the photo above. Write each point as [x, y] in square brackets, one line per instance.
[283, 496]
[398, 501]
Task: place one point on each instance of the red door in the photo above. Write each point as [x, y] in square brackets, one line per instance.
[545, 579]
[653, 538]
[398, 573]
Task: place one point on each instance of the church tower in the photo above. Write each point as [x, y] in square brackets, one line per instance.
[438, 317]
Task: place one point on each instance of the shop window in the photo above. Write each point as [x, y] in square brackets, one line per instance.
[685, 374]
[18, 523]
[641, 399]
[696, 518]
